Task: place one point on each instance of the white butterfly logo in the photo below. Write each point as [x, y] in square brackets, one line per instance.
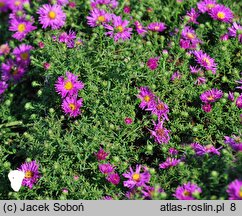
[16, 178]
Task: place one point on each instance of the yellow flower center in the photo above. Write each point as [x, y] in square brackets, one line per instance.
[240, 194]
[15, 71]
[157, 28]
[160, 132]
[52, 15]
[17, 3]
[210, 6]
[21, 27]
[68, 85]
[29, 174]
[139, 26]
[136, 177]
[190, 35]
[160, 106]
[186, 193]
[72, 106]
[120, 28]
[207, 61]
[101, 19]
[1, 4]
[221, 15]
[147, 98]
[210, 98]
[24, 56]
[209, 146]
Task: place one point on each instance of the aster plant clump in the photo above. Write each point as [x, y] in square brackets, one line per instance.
[114, 100]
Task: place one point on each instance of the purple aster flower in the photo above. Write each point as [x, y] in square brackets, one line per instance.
[147, 97]
[31, 170]
[139, 28]
[160, 133]
[221, 13]
[68, 38]
[101, 154]
[69, 85]
[4, 49]
[128, 121]
[235, 190]
[127, 9]
[224, 37]
[170, 162]
[160, 109]
[98, 17]
[231, 96]
[21, 27]
[193, 15]
[239, 102]
[3, 87]
[71, 106]
[119, 29]
[136, 178]
[4, 5]
[186, 191]
[195, 70]
[62, 2]
[111, 3]
[211, 95]
[201, 150]
[207, 107]
[176, 76]
[113, 178]
[51, 16]
[148, 192]
[152, 63]
[200, 80]
[234, 30]
[106, 168]
[157, 27]
[235, 142]
[107, 198]
[16, 5]
[205, 60]
[240, 82]
[189, 39]
[206, 5]
[22, 53]
[12, 70]
[173, 151]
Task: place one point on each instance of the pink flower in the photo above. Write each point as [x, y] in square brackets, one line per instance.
[106, 168]
[22, 53]
[157, 27]
[160, 109]
[160, 133]
[71, 106]
[4, 49]
[101, 154]
[139, 28]
[207, 107]
[210, 96]
[118, 30]
[98, 17]
[21, 27]
[128, 121]
[170, 162]
[69, 85]
[202, 150]
[147, 98]
[235, 190]
[193, 15]
[152, 63]
[113, 178]
[51, 16]
[205, 60]
[186, 191]
[136, 178]
[206, 5]
[221, 13]
[239, 102]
